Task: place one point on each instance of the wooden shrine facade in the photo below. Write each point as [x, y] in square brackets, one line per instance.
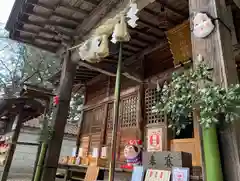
[148, 59]
[136, 117]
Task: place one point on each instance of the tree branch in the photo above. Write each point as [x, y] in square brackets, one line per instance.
[10, 72]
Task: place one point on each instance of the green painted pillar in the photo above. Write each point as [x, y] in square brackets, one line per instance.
[213, 169]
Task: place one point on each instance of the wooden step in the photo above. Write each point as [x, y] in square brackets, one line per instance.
[77, 178]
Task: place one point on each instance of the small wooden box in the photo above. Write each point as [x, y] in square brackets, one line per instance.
[98, 162]
[84, 161]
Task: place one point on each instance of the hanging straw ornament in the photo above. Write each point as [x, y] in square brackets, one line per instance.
[88, 50]
[103, 48]
[132, 14]
[120, 33]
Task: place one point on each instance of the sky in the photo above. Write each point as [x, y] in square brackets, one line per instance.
[5, 9]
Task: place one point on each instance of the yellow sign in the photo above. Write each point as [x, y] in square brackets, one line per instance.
[179, 39]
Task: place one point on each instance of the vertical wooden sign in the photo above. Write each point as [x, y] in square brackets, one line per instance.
[154, 139]
[179, 39]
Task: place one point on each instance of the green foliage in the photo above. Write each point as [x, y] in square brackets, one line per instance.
[193, 89]
[75, 107]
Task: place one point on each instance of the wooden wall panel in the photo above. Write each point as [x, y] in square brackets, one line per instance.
[96, 128]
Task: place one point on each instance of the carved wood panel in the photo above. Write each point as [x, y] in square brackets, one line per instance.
[128, 114]
[151, 98]
[96, 127]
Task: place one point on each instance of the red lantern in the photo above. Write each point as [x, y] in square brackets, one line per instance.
[56, 100]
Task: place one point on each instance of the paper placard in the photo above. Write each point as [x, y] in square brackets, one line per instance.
[154, 139]
[74, 151]
[80, 152]
[138, 173]
[104, 152]
[180, 174]
[95, 153]
[157, 175]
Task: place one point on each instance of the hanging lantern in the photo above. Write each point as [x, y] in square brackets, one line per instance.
[56, 100]
[120, 33]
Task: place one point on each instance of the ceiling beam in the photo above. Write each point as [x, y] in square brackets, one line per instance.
[82, 11]
[144, 33]
[104, 7]
[127, 72]
[161, 15]
[148, 50]
[45, 48]
[150, 25]
[95, 68]
[51, 22]
[54, 13]
[44, 30]
[36, 36]
[173, 9]
[93, 2]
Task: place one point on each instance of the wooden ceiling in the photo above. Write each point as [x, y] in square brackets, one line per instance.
[50, 25]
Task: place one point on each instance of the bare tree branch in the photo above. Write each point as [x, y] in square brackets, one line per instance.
[10, 72]
[4, 48]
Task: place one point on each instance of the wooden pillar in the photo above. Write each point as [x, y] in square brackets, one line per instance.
[7, 166]
[141, 112]
[80, 125]
[217, 52]
[60, 118]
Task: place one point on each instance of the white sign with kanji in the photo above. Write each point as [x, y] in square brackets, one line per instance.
[180, 174]
[154, 140]
[157, 175]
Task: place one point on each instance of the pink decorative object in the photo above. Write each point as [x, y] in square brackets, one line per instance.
[56, 100]
[132, 153]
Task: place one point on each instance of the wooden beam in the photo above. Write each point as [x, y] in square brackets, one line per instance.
[95, 68]
[12, 148]
[173, 9]
[45, 48]
[145, 33]
[82, 11]
[54, 13]
[216, 50]
[60, 118]
[42, 29]
[93, 2]
[51, 22]
[36, 36]
[150, 25]
[145, 52]
[160, 15]
[95, 16]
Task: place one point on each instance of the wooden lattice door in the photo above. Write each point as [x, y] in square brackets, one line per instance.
[155, 119]
[129, 128]
[96, 128]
